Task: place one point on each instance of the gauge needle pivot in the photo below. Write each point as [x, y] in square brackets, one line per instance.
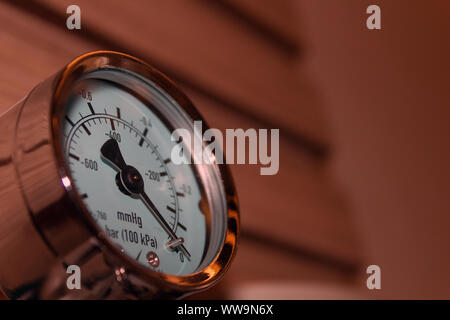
[134, 184]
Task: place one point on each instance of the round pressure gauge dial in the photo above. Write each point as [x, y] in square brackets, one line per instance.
[93, 147]
[118, 151]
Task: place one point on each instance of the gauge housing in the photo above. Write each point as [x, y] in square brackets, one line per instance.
[63, 230]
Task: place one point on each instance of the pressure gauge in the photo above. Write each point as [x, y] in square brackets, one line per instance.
[90, 183]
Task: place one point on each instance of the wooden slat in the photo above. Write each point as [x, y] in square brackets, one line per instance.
[279, 18]
[298, 206]
[204, 44]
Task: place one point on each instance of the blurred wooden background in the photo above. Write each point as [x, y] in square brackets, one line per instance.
[240, 62]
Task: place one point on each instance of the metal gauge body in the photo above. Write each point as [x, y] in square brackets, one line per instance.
[91, 163]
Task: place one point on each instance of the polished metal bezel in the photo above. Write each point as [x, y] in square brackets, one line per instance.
[72, 213]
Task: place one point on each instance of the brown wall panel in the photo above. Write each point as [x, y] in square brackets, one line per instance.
[203, 43]
[279, 18]
[298, 207]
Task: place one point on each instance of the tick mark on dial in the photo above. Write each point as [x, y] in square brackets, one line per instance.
[112, 124]
[91, 108]
[182, 226]
[163, 174]
[74, 156]
[180, 194]
[118, 112]
[142, 139]
[139, 255]
[69, 121]
[86, 129]
[171, 209]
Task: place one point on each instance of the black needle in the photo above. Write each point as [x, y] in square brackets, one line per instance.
[161, 221]
[134, 184]
[111, 152]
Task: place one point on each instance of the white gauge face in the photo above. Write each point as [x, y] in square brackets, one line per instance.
[118, 153]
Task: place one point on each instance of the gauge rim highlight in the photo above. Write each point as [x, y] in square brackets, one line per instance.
[200, 279]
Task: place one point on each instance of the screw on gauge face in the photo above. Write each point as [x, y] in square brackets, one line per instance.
[152, 259]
